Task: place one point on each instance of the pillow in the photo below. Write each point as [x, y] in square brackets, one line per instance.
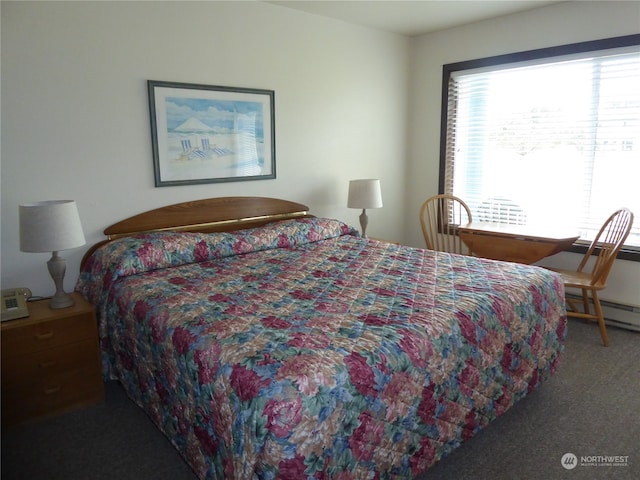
[151, 251]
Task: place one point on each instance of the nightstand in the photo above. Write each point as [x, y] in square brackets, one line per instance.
[50, 362]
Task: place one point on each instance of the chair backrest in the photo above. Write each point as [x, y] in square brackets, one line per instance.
[440, 217]
[606, 245]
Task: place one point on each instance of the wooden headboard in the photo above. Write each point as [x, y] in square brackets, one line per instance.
[222, 214]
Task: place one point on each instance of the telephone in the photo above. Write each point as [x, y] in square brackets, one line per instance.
[14, 303]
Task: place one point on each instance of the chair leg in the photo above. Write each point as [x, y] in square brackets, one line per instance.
[585, 303]
[571, 305]
[599, 314]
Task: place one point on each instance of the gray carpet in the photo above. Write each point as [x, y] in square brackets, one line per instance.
[591, 407]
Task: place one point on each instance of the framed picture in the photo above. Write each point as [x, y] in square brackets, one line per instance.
[206, 134]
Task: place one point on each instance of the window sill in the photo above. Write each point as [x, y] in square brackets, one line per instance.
[626, 253]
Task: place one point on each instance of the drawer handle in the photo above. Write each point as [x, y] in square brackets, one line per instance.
[44, 336]
[52, 390]
[48, 364]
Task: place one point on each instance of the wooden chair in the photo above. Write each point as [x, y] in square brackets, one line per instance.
[593, 278]
[440, 217]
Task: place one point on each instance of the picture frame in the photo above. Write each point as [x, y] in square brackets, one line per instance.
[209, 134]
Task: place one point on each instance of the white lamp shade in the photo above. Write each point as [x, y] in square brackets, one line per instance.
[364, 193]
[50, 226]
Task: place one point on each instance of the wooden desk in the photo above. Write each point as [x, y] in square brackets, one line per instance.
[513, 243]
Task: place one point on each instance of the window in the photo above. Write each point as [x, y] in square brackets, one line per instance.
[548, 137]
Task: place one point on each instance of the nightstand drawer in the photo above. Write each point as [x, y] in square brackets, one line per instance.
[28, 369]
[56, 394]
[49, 334]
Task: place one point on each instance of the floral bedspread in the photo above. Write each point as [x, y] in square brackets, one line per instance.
[299, 350]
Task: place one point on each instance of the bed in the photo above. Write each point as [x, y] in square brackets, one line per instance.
[267, 343]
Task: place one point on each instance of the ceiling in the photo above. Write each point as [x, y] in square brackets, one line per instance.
[412, 17]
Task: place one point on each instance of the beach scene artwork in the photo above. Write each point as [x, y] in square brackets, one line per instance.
[205, 136]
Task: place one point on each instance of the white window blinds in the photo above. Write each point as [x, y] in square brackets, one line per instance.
[555, 142]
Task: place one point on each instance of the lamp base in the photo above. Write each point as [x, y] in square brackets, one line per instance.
[57, 267]
[364, 221]
[61, 301]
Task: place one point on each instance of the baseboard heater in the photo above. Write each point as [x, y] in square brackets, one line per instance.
[617, 314]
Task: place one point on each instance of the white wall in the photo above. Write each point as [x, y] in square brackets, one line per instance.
[351, 102]
[559, 24]
[75, 118]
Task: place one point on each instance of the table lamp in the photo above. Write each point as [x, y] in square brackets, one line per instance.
[364, 193]
[51, 226]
